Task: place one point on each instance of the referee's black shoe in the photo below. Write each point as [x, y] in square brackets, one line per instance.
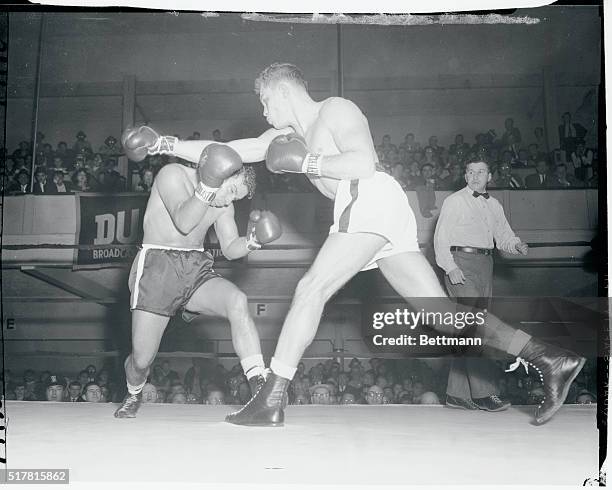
[464, 403]
[492, 403]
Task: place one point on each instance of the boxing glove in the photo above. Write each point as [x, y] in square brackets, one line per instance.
[217, 163]
[143, 140]
[263, 227]
[288, 153]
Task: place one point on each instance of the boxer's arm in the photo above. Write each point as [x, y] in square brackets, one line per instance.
[185, 210]
[253, 150]
[350, 131]
[250, 149]
[232, 244]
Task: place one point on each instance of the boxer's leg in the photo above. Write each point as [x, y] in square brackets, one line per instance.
[340, 258]
[147, 331]
[219, 297]
[412, 277]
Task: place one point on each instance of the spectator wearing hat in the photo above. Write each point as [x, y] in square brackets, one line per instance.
[110, 148]
[92, 392]
[110, 180]
[54, 389]
[81, 145]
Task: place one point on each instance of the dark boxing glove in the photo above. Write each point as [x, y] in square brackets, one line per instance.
[288, 153]
[143, 140]
[217, 163]
[263, 227]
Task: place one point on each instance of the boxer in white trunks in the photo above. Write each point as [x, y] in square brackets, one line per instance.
[374, 226]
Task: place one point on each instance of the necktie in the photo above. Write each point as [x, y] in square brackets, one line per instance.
[483, 194]
[541, 178]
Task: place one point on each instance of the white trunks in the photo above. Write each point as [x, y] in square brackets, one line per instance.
[376, 205]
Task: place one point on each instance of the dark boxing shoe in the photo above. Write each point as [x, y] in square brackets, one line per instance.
[492, 403]
[463, 403]
[265, 409]
[557, 369]
[129, 407]
[256, 383]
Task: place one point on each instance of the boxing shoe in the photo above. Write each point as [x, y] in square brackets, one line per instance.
[557, 369]
[129, 407]
[463, 403]
[492, 403]
[265, 409]
[255, 383]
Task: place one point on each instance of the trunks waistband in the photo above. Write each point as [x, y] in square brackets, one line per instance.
[149, 246]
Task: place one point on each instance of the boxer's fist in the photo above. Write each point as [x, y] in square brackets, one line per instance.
[287, 153]
[217, 163]
[263, 227]
[143, 140]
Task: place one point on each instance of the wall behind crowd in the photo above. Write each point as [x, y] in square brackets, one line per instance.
[416, 79]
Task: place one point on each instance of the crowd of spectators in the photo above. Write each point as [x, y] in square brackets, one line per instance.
[416, 166]
[373, 381]
[63, 169]
[431, 166]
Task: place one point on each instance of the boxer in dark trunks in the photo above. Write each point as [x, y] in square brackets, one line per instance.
[173, 273]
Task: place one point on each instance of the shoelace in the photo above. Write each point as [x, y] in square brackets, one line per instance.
[496, 399]
[129, 401]
[523, 362]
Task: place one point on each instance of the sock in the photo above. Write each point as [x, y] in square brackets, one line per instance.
[281, 369]
[253, 365]
[134, 390]
[519, 340]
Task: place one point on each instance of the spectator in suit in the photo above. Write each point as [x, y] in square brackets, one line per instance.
[40, 181]
[74, 392]
[110, 148]
[569, 134]
[20, 184]
[561, 179]
[505, 179]
[539, 138]
[59, 185]
[535, 155]
[437, 149]
[386, 145]
[409, 144]
[146, 181]
[454, 181]
[459, 144]
[110, 180]
[81, 145]
[512, 135]
[63, 152]
[582, 162]
[539, 179]
[426, 184]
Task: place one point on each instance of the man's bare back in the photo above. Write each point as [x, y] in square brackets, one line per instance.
[159, 229]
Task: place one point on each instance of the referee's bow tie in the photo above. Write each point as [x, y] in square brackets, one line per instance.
[483, 194]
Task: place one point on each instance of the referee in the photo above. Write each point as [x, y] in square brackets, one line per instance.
[470, 225]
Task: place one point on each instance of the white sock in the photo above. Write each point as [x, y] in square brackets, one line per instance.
[253, 365]
[280, 368]
[134, 390]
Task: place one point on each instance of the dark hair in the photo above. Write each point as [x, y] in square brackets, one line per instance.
[250, 180]
[426, 165]
[279, 71]
[477, 160]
